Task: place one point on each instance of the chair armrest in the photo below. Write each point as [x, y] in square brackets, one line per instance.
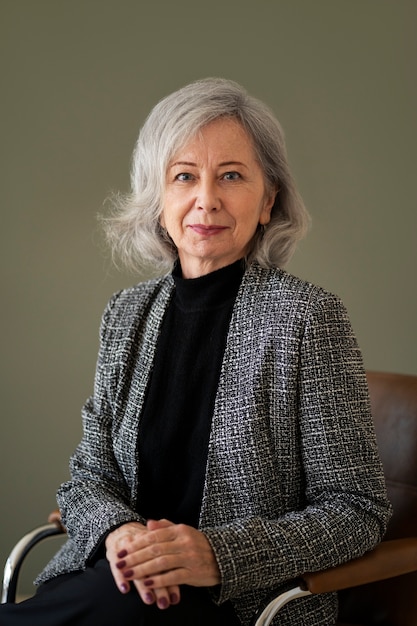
[266, 614]
[387, 560]
[55, 518]
[20, 551]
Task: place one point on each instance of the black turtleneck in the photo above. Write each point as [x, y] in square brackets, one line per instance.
[176, 419]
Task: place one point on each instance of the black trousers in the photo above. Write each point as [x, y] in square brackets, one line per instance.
[91, 598]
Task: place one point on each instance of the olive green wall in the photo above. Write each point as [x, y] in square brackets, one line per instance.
[78, 78]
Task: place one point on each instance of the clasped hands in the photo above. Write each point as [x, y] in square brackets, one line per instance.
[158, 558]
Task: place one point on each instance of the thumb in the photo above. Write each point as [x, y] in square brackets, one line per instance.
[152, 524]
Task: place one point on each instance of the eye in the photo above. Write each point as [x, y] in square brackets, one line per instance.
[231, 176]
[184, 177]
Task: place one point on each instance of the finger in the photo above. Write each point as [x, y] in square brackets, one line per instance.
[115, 542]
[148, 555]
[170, 580]
[163, 596]
[123, 538]
[174, 594]
[152, 524]
[121, 582]
[186, 558]
[151, 562]
[147, 595]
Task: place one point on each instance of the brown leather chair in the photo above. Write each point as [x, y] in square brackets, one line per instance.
[393, 601]
[378, 589]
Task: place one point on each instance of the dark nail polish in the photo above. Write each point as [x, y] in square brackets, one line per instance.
[128, 574]
[124, 588]
[174, 598]
[163, 603]
[121, 564]
[148, 582]
[122, 554]
[149, 598]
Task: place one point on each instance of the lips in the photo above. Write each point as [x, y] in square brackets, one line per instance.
[207, 230]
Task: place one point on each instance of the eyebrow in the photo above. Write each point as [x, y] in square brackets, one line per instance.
[222, 164]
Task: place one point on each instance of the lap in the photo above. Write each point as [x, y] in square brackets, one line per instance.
[91, 597]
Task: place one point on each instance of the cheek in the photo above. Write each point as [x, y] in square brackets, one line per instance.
[170, 222]
[168, 213]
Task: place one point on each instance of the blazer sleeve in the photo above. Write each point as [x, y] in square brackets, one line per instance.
[345, 508]
[97, 498]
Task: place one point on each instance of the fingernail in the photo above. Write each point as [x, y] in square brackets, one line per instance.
[121, 564]
[149, 598]
[124, 588]
[173, 598]
[148, 582]
[163, 603]
[128, 574]
[122, 554]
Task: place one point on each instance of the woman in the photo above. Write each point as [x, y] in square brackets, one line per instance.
[228, 446]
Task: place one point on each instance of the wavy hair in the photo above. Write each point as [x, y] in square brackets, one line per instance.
[133, 227]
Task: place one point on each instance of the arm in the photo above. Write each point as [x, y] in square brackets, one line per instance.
[98, 503]
[97, 498]
[344, 510]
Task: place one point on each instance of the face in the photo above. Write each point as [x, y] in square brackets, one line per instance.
[215, 198]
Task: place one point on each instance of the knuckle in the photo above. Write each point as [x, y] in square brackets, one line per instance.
[152, 537]
[163, 563]
[155, 550]
[183, 529]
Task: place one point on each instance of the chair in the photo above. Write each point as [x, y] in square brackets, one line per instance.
[377, 588]
[21, 550]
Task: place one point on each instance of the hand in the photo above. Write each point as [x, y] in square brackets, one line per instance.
[167, 555]
[119, 544]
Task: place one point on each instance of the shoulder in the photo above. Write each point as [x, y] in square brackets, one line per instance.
[128, 307]
[132, 299]
[275, 301]
[277, 287]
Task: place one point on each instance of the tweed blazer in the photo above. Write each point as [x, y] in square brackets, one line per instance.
[293, 479]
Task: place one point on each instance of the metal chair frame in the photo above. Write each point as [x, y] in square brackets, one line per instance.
[390, 559]
[18, 554]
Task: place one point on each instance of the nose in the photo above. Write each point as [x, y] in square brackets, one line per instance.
[207, 196]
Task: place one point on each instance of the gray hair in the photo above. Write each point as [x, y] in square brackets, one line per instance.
[133, 229]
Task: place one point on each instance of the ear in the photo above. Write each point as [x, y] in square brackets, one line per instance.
[162, 219]
[269, 200]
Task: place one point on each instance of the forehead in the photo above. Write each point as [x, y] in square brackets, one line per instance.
[224, 138]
